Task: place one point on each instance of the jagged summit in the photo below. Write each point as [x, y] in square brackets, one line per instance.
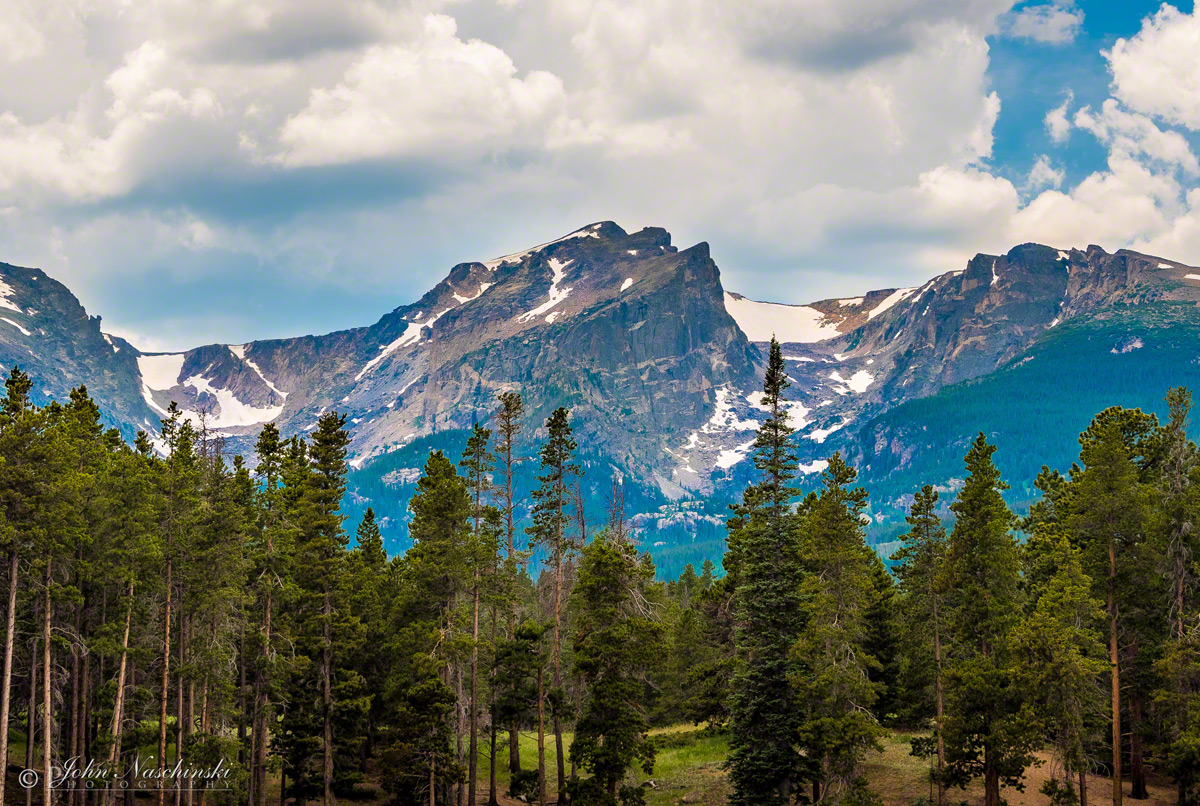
[658, 362]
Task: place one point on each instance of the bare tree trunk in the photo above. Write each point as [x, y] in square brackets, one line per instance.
[1114, 663]
[1137, 766]
[76, 684]
[492, 784]
[114, 750]
[180, 726]
[473, 760]
[541, 738]
[47, 732]
[937, 685]
[166, 682]
[558, 740]
[6, 689]
[327, 694]
[991, 786]
[459, 728]
[241, 726]
[262, 710]
[31, 722]
[1083, 793]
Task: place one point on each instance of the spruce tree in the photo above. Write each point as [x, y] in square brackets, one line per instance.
[1176, 497]
[919, 570]
[508, 428]
[1059, 654]
[477, 461]
[1108, 518]
[764, 766]
[833, 664]
[989, 731]
[616, 642]
[551, 520]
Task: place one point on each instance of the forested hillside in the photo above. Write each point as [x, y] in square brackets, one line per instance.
[172, 609]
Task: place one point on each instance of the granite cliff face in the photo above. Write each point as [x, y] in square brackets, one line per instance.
[659, 364]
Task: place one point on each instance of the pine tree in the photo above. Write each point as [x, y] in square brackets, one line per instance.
[616, 641]
[1176, 498]
[1107, 515]
[1059, 654]
[834, 667]
[764, 539]
[434, 575]
[508, 428]
[989, 731]
[919, 570]
[477, 461]
[551, 520]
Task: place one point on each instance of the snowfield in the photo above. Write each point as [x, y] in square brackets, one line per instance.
[787, 323]
[557, 294]
[892, 299]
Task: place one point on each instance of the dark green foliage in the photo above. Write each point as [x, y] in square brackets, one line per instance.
[834, 667]
[764, 540]
[989, 731]
[616, 641]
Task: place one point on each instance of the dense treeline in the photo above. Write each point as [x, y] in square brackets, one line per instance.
[169, 605]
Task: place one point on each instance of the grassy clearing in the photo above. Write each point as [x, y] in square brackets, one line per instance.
[689, 770]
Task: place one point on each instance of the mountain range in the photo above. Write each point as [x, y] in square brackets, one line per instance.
[661, 368]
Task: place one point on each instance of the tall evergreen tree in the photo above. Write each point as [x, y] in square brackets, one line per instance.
[616, 641]
[919, 570]
[764, 767]
[1059, 654]
[508, 428]
[834, 666]
[477, 462]
[1108, 517]
[989, 731]
[551, 520]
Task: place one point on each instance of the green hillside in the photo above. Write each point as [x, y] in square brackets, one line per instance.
[1033, 408]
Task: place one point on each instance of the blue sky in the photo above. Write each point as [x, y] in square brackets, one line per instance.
[202, 172]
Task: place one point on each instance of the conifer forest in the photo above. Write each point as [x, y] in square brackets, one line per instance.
[172, 611]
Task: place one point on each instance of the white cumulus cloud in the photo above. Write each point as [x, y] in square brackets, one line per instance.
[1156, 72]
[1052, 23]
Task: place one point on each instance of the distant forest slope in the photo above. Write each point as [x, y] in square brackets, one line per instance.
[1033, 409]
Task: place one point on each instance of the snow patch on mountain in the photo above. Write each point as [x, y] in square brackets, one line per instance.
[111, 344]
[161, 372]
[240, 352]
[723, 418]
[787, 323]
[892, 299]
[411, 335]
[6, 297]
[854, 301]
[858, 382]
[557, 294]
[820, 434]
[14, 324]
[1063, 255]
[517, 257]
[482, 287]
[814, 467]
[730, 457]
[232, 412]
[628, 282]
[1191, 276]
